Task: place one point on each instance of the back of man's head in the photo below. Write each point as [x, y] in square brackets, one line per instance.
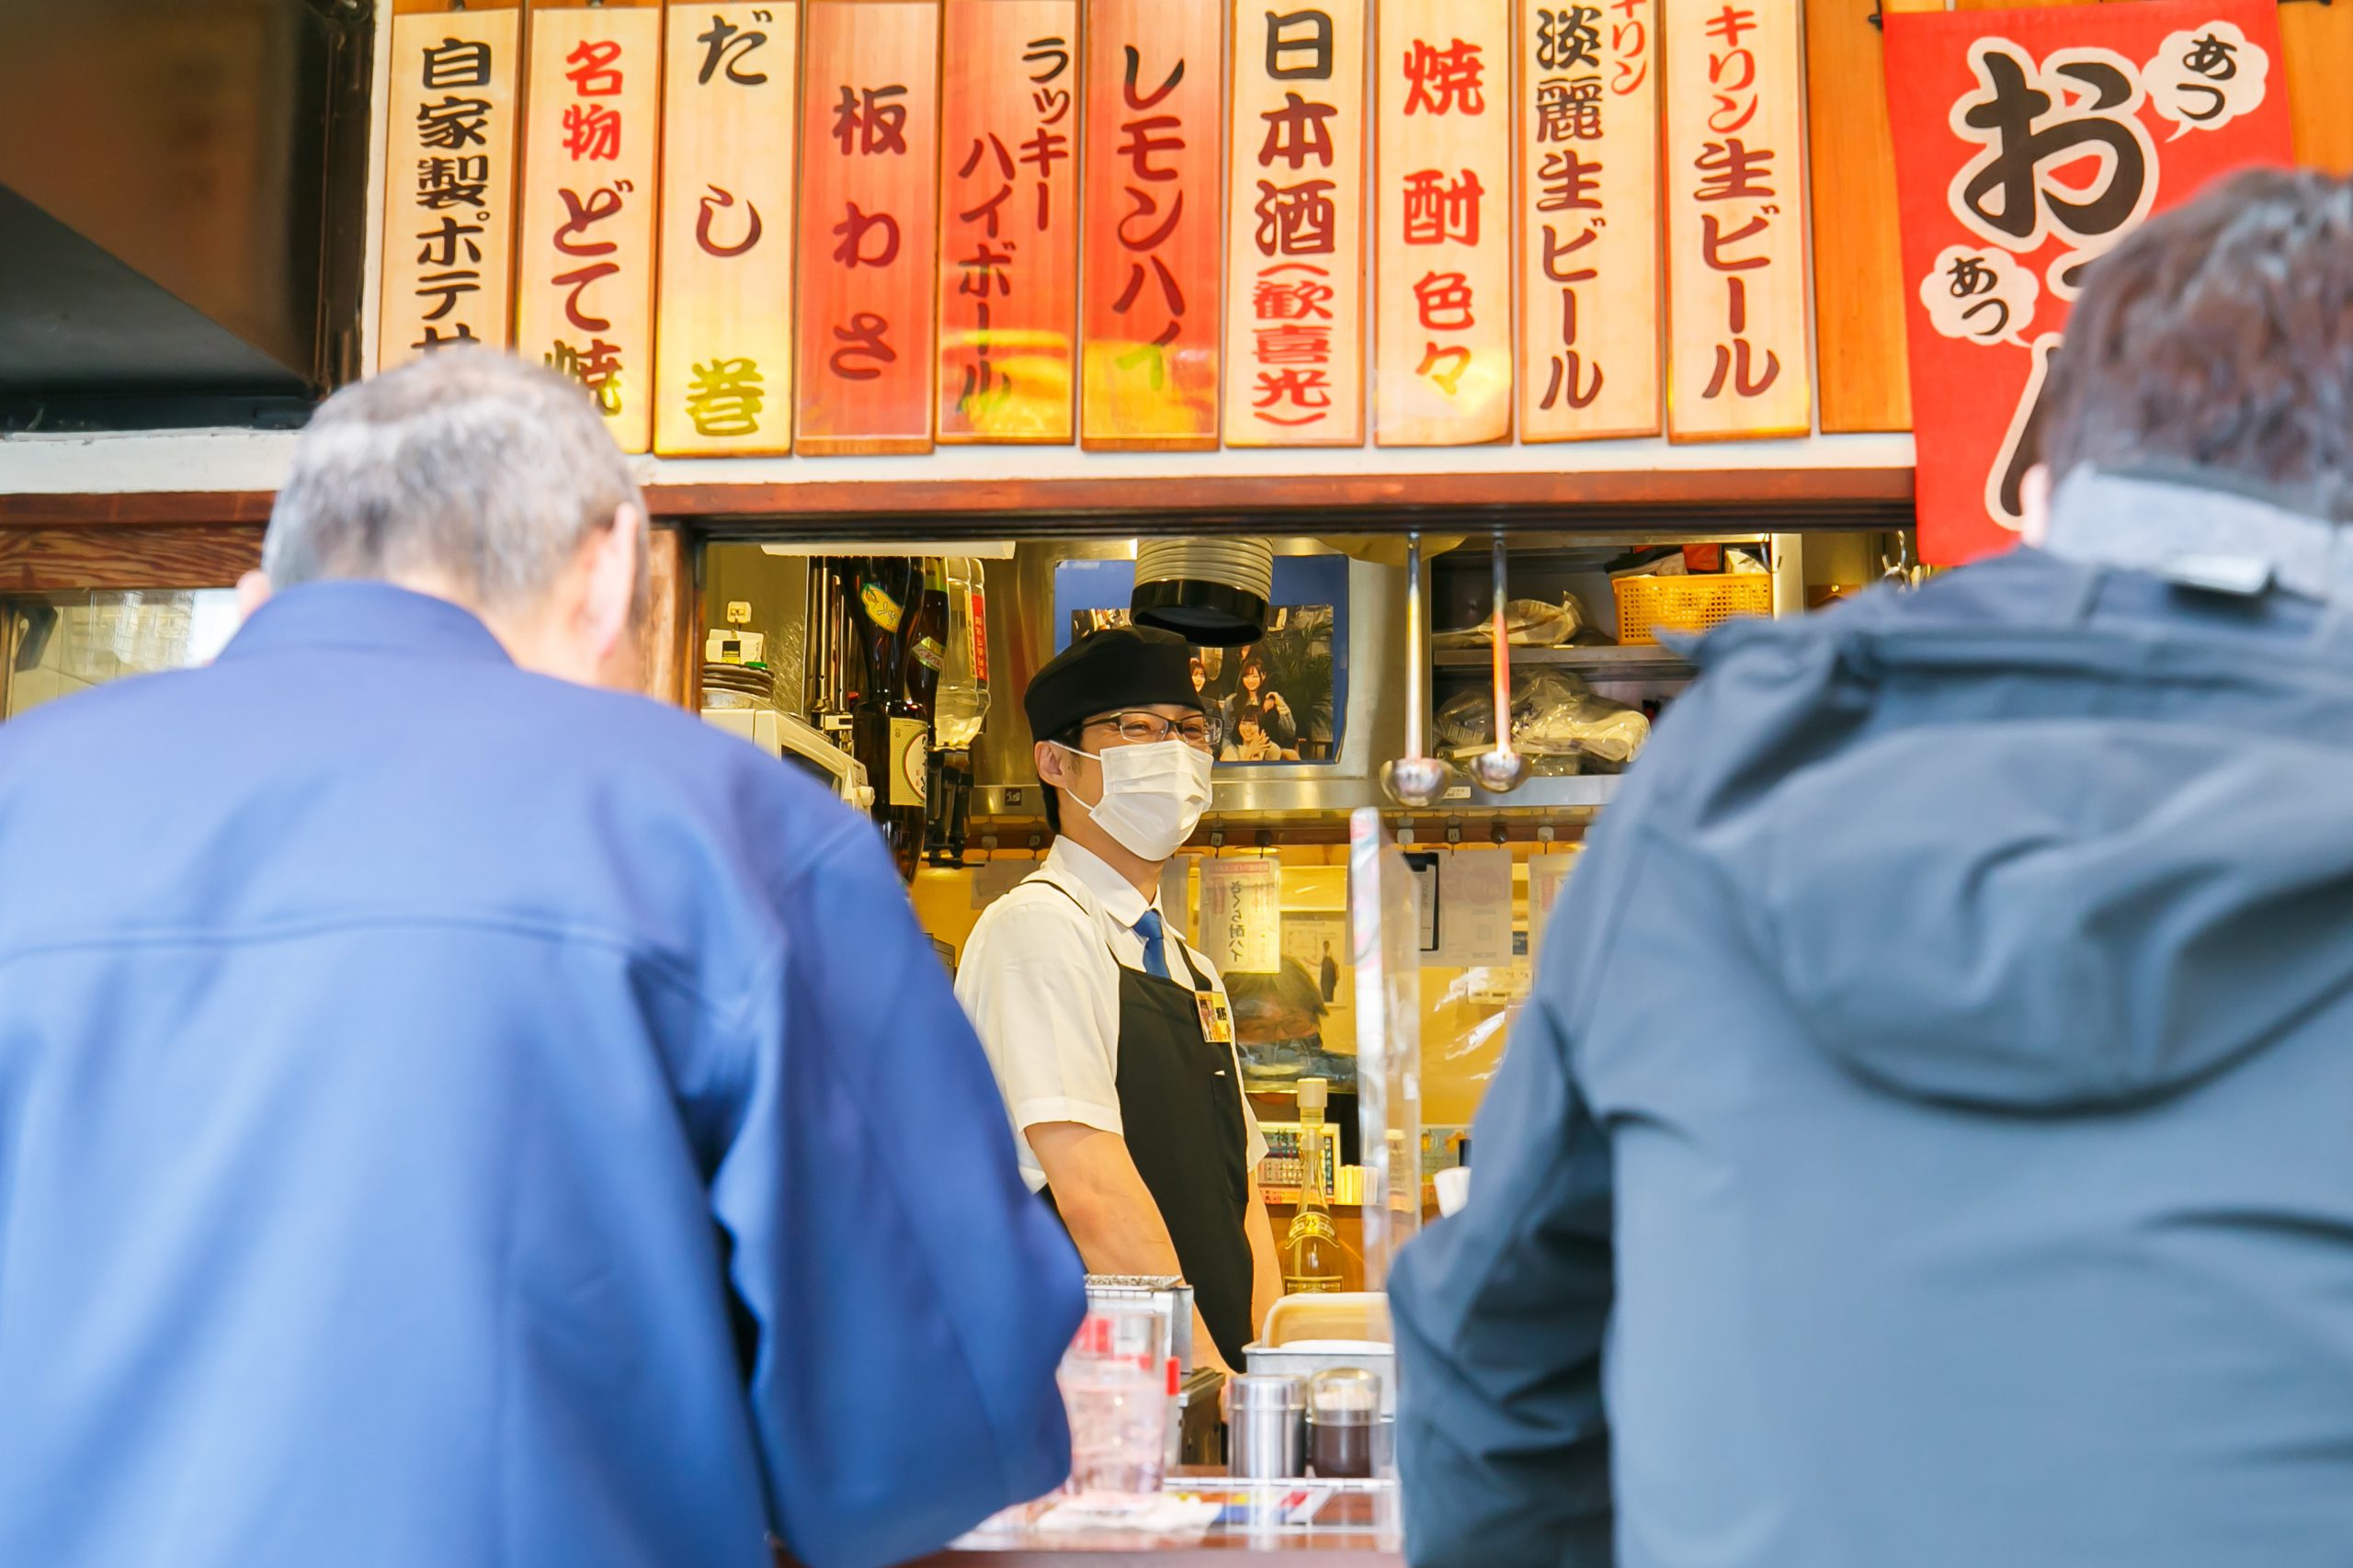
[2218, 339]
[467, 473]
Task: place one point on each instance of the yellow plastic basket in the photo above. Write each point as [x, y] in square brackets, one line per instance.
[1648, 605]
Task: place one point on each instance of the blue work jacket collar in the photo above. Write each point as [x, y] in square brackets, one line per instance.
[353, 615]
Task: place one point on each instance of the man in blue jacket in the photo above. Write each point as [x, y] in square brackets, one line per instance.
[1930, 1143]
[451, 1115]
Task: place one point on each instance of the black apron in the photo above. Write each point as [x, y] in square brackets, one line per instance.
[1182, 1112]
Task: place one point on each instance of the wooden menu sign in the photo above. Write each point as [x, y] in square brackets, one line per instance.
[1008, 219]
[1443, 353]
[1294, 280]
[869, 145]
[1589, 219]
[1152, 260]
[592, 123]
[723, 351]
[448, 254]
[1736, 181]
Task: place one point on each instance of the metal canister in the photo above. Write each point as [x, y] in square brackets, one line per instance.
[1266, 1426]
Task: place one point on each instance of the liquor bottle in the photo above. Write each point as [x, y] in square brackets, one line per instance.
[1310, 1249]
[888, 734]
[960, 705]
[927, 639]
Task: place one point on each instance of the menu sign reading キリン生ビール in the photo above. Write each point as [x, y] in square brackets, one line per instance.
[1008, 219]
[1736, 220]
[1153, 141]
[1444, 304]
[870, 141]
[450, 179]
[1294, 282]
[1589, 219]
[2027, 144]
[585, 299]
[723, 340]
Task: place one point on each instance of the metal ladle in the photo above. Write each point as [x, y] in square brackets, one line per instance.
[1416, 779]
[1504, 770]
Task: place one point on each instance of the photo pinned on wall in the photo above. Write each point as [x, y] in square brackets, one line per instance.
[1281, 699]
[1272, 699]
[1289, 1024]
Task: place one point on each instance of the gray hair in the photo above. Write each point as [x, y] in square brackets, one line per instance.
[465, 464]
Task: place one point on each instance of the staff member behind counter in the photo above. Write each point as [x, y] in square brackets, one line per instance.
[1111, 1038]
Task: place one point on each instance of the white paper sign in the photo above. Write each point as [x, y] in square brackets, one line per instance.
[1475, 898]
[1545, 875]
[1318, 943]
[992, 879]
[1241, 900]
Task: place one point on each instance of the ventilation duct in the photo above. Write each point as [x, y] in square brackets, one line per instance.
[1212, 592]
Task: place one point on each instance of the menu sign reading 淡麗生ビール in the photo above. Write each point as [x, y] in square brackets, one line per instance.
[1589, 219]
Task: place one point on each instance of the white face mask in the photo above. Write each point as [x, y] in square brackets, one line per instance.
[1152, 795]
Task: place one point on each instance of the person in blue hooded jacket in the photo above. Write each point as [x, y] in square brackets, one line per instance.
[451, 1115]
[1930, 1141]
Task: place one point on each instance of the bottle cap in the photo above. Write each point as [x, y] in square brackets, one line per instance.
[1314, 1094]
[739, 612]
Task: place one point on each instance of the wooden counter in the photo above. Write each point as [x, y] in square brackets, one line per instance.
[1353, 1529]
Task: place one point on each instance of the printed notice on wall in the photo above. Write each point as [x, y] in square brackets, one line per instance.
[1474, 891]
[1545, 875]
[1242, 930]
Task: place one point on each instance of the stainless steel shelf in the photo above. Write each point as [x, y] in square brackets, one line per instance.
[1266, 801]
[1638, 662]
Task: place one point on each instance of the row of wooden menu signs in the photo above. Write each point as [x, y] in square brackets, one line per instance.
[844, 226]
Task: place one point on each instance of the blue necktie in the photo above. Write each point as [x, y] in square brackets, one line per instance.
[1155, 962]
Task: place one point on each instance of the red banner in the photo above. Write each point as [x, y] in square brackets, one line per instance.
[2027, 144]
[870, 152]
[1009, 219]
[1154, 133]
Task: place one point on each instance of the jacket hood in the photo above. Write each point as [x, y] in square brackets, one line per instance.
[2011, 860]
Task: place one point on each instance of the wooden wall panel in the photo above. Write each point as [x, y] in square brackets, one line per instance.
[56, 560]
[672, 639]
[2318, 41]
[1857, 268]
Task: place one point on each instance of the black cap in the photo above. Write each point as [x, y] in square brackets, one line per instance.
[1116, 668]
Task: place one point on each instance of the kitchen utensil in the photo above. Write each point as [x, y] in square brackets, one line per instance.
[1266, 1426]
[1504, 770]
[1416, 779]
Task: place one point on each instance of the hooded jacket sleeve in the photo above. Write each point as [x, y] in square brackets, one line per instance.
[1501, 1311]
[910, 1299]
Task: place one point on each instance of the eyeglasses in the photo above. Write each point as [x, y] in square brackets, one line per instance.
[1145, 729]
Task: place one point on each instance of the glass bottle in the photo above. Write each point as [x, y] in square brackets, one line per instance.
[887, 731]
[1310, 1249]
[959, 707]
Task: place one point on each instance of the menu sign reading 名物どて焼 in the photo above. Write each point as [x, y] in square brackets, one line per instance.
[592, 126]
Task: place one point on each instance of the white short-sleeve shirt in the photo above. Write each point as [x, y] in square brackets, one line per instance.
[1040, 981]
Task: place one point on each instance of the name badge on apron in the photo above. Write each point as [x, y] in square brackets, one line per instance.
[1217, 1017]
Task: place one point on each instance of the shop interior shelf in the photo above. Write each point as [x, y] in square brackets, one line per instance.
[1608, 662]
